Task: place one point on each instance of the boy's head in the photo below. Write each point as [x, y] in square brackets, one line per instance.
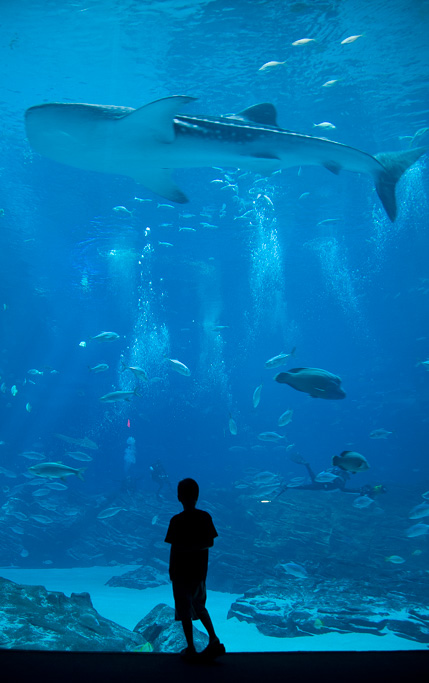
[188, 492]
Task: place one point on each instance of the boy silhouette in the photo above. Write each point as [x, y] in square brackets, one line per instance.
[191, 534]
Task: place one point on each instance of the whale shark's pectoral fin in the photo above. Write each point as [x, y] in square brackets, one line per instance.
[155, 119]
[159, 181]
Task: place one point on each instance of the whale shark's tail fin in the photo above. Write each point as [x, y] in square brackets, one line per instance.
[395, 164]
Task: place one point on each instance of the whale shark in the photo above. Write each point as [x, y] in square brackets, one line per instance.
[147, 143]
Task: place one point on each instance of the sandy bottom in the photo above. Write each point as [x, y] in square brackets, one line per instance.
[126, 606]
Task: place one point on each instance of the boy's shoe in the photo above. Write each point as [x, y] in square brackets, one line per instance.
[213, 650]
[188, 653]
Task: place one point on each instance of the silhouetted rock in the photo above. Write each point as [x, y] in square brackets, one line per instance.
[164, 633]
[33, 618]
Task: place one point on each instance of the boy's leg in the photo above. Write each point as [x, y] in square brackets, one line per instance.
[204, 617]
[187, 629]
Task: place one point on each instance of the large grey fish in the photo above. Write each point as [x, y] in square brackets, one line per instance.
[114, 396]
[147, 143]
[314, 381]
[55, 470]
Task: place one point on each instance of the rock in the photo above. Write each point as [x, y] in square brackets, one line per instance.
[165, 634]
[292, 609]
[33, 618]
[141, 578]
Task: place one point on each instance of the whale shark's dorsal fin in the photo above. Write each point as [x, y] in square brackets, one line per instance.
[264, 113]
[156, 117]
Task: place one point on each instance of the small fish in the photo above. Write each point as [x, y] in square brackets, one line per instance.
[34, 372]
[165, 206]
[295, 570]
[257, 396]
[165, 244]
[350, 461]
[303, 195]
[136, 370]
[362, 502]
[79, 455]
[285, 418]
[329, 84]
[114, 396]
[42, 519]
[326, 477]
[55, 470]
[379, 434]
[187, 230]
[154, 519]
[425, 495]
[84, 443]
[417, 552]
[24, 553]
[138, 199]
[417, 530]
[101, 367]
[105, 337]
[325, 124]
[232, 426]
[179, 367]
[17, 530]
[40, 493]
[303, 41]
[109, 512]
[123, 210]
[276, 361]
[395, 559]
[271, 436]
[56, 486]
[328, 220]
[270, 65]
[28, 407]
[14, 390]
[32, 455]
[419, 511]
[350, 39]
[219, 328]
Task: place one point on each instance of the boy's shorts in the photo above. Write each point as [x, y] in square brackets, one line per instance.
[189, 599]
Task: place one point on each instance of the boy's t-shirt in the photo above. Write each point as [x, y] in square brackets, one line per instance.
[191, 534]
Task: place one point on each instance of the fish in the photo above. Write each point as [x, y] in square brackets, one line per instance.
[42, 519]
[329, 84]
[419, 511]
[32, 455]
[232, 425]
[417, 530]
[303, 41]
[34, 372]
[84, 443]
[109, 512]
[105, 337]
[257, 396]
[295, 570]
[350, 39]
[285, 418]
[379, 434]
[55, 470]
[271, 436]
[114, 396]
[325, 477]
[147, 143]
[324, 124]
[101, 367]
[123, 210]
[136, 370]
[78, 455]
[179, 367]
[350, 461]
[14, 390]
[362, 502]
[276, 361]
[56, 486]
[270, 65]
[395, 559]
[313, 381]
[28, 407]
[425, 495]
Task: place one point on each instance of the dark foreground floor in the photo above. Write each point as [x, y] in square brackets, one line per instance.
[317, 667]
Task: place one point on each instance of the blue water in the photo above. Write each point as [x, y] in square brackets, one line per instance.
[350, 295]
